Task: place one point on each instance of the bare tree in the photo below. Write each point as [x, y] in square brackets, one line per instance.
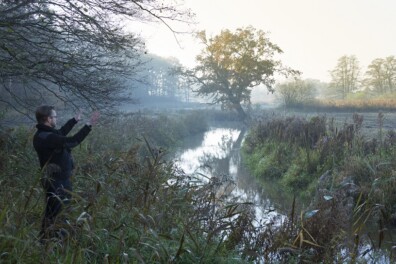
[296, 92]
[72, 50]
[345, 76]
[381, 75]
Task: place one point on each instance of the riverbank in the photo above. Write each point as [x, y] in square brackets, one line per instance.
[344, 173]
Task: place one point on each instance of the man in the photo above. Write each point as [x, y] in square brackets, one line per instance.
[54, 152]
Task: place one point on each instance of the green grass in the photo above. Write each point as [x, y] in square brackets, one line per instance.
[132, 205]
[296, 152]
[129, 205]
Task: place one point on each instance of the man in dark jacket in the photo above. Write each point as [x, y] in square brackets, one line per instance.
[54, 151]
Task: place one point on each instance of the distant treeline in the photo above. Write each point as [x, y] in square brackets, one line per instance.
[339, 105]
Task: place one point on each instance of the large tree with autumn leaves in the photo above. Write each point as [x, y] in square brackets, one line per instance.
[232, 63]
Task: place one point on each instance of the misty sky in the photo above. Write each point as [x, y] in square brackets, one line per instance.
[312, 33]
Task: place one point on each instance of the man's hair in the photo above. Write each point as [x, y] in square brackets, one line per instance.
[42, 112]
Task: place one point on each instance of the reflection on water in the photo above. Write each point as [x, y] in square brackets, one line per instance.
[218, 156]
[216, 145]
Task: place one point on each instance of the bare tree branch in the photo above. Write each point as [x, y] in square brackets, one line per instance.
[74, 49]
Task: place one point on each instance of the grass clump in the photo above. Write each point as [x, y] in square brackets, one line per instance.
[306, 149]
[289, 148]
[130, 204]
[320, 159]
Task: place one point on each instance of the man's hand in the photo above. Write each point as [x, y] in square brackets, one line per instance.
[94, 118]
[78, 115]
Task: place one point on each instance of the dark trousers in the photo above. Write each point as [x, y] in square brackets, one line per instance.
[58, 195]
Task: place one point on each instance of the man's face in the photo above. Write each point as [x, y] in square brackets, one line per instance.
[52, 119]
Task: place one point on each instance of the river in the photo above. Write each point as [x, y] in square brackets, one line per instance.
[216, 153]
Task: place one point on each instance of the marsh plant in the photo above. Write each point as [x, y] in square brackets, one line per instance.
[130, 204]
[382, 103]
[344, 174]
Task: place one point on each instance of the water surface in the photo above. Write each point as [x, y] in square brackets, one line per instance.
[217, 154]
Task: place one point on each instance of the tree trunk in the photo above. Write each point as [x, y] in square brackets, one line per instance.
[242, 114]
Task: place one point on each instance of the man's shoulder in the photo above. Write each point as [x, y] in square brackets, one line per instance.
[43, 134]
[44, 131]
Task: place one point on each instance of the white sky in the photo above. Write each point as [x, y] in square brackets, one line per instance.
[313, 34]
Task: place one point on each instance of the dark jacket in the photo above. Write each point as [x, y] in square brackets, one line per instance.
[54, 148]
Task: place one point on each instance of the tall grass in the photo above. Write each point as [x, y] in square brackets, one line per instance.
[129, 203]
[351, 105]
[344, 174]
